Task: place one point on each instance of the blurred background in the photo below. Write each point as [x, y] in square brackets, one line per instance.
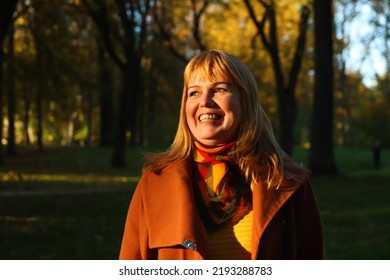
[87, 87]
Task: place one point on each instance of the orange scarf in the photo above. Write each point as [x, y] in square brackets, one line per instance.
[220, 190]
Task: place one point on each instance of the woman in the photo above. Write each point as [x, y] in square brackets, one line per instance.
[224, 189]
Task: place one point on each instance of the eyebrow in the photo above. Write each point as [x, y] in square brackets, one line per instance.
[213, 84]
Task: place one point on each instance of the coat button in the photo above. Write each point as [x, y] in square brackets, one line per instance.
[189, 244]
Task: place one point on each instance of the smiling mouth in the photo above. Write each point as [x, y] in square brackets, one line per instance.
[209, 117]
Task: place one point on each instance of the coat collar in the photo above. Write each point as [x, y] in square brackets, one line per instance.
[171, 211]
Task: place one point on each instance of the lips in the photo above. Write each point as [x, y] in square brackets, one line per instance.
[209, 117]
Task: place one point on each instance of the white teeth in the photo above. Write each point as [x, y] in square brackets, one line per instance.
[209, 117]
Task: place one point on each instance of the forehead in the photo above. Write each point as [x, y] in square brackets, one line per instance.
[202, 74]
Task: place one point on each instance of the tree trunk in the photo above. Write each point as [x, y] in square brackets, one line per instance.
[26, 119]
[107, 114]
[1, 105]
[287, 105]
[39, 104]
[118, 158]
[150, 108]
[39, 97]
[321, 158]
[11, 143]
[134, 106]
[287, 116]
[90, 105]
[7, 8]
[134, 18]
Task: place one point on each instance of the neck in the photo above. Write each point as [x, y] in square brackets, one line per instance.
[223, 148]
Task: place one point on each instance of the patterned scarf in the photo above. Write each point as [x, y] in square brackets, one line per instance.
[218, 186]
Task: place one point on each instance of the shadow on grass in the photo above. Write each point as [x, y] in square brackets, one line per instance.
[68, 226]
[66, 203]
[69, 204]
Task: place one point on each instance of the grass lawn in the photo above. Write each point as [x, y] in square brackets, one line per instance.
[355, 205]
[69, 204]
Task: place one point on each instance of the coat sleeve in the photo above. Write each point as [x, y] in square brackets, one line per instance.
[309, 227]
[135, 237]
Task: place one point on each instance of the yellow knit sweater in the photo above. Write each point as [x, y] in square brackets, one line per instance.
[233, 240]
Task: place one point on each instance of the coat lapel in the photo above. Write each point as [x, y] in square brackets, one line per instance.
[266, 203]
[172, 217]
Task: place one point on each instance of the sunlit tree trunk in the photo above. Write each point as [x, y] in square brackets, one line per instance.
[26, 118]
[39, 117]
[321, 157]
[90, 105]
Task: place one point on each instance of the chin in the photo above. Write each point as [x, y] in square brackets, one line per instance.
[211, 142]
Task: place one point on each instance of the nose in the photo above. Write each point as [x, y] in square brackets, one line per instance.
[207, 99]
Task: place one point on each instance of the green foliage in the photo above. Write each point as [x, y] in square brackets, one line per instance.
[56, 55]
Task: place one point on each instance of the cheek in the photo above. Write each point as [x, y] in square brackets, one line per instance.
[235, 108]
[236, 119]
[189, 112]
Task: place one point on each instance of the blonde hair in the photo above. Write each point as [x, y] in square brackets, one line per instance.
[257, 153]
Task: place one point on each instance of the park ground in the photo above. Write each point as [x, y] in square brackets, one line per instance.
[67, 203]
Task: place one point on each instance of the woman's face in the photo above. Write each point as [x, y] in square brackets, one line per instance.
[213, 110]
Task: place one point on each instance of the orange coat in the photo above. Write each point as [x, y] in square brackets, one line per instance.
[163, 223]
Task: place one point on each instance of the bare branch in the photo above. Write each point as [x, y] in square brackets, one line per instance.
[260, 25]
[143, 34]
[300, 47]
[167, 37]
[99, 16]
[196, 26]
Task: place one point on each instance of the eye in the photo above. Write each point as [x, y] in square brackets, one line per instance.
[221, 90]
[193, 93]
